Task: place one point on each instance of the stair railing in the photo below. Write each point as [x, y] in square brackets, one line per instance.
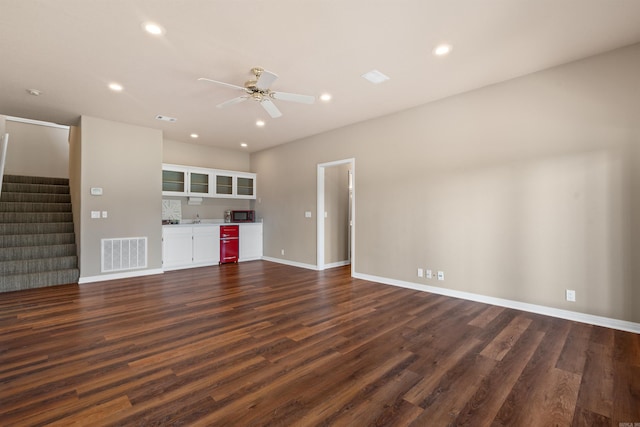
[3, 156]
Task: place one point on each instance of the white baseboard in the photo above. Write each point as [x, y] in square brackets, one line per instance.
[591, 319]
[337, 264]
[128, 274]
[291, 263]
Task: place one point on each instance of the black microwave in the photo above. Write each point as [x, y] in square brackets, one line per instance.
[243, 216]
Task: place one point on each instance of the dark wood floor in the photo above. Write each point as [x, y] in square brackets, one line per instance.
[266, 344]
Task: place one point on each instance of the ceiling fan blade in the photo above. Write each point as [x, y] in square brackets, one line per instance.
[233, 101]
[271, 108]
[266, 79]
[221, 83]
[303, 99]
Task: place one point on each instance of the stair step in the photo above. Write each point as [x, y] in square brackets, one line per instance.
[9, 268]
[6, 217]
[15, 187]
[35, 197]
[38, 280]
[34, 207]
[35, 180]
[35, 252]
[35, 228]
[17, 240]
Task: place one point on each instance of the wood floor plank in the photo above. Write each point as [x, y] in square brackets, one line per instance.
[265, 344]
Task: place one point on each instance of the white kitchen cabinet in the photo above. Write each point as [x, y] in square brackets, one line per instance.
[174, 180]
[206, 245]
[177, 247]
[178, 180]
[186, 247]
[250, 241]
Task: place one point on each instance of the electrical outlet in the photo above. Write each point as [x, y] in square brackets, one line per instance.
[571, 295]
[440, 275]
[429, 274]
[420, 272]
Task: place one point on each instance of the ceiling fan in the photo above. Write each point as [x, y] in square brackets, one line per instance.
[258, 89]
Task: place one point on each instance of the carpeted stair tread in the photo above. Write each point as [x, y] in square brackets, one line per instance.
[35, 197]
[38, 265]
[38, 280]
[17, 240]
[34, 252]
[34, 207]
[16, 187]
[36, 228]
[21, 179]
[6, 217]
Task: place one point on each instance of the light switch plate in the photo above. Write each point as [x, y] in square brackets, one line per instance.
[307, 214]
[95, 214]
[104, 214]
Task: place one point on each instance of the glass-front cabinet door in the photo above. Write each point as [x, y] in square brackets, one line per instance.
[224, 185]
[246, 187]
[199, 183]
[174, 181]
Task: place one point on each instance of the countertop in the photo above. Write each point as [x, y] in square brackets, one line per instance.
[205, 222]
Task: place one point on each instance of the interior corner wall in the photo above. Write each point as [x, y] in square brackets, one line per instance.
[37, 150]
[3, 125]
[126, 162]
[519, 190]
[75, 181]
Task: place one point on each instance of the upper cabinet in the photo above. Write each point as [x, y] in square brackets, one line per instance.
[174, 180]
[178, 180]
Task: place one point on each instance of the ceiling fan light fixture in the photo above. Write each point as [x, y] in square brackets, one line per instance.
[375, 77]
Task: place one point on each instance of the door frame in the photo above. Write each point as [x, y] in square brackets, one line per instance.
[320, 264]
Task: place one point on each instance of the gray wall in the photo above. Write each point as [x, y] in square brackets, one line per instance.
[126, 161]
[519, 190]
[36, 150]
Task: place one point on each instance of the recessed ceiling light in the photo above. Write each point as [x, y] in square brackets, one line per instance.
[326, 97]
[153, 28]
[260, 123]
[375, 76]
[194, 135]
[34, 92]
[243, 144]
[116, 87]
[442, 49]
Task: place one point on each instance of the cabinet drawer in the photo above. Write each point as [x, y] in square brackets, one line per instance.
[227, 231]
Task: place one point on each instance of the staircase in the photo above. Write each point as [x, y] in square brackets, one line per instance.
[37, 240]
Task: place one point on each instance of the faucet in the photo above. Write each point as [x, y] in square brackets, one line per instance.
[197, 220]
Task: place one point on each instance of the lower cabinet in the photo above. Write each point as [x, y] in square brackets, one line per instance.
[177, 247]
[184, 247]
[250, 241]
[199, 245]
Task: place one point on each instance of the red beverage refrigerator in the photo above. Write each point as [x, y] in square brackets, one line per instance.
[228, 243]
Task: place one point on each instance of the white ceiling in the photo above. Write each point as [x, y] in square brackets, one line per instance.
[71, 50]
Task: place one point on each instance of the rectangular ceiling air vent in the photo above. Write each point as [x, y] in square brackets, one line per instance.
[166, 118]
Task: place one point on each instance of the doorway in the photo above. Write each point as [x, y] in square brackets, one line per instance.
[327, 194]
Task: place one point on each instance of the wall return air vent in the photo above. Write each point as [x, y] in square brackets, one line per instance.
[124, 254]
